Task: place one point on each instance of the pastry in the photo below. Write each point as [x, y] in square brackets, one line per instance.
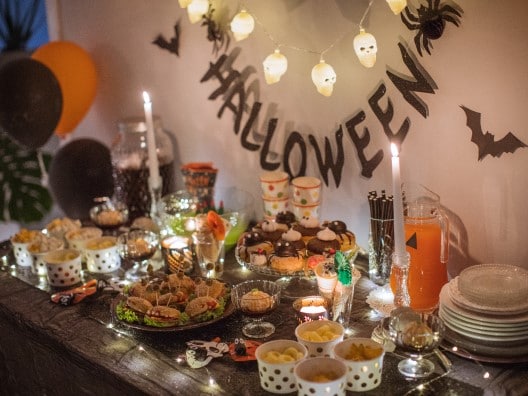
[286, 258]
[270, 230]
[324, 243]
[251, 242]
[295, 238]
[346, 238]
[258, 258]
[308, 227]
[285, 219]
[256, 301]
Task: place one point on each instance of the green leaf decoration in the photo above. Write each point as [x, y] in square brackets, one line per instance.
[24, 198]
[344, 270]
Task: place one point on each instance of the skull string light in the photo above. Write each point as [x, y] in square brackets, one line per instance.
[397, 6]
[275, 65]
[324, 78]
[196, 9]
[366, 48]
[242, 25]
[429, 21]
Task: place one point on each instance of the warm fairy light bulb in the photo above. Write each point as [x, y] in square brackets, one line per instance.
[324, 78]
[242, 25]
[184, 3]
[397, 6]
[366, 48]
[196, 9]
[275, 65]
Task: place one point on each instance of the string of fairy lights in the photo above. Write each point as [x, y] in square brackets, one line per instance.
[275, 64]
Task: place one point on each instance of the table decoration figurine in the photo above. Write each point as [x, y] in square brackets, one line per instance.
[255, 299]
[416, 333]
[209, 239]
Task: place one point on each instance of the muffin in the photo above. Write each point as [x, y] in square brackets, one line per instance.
[270, 230]
[251, 242]
[308, 227]
[285, 219]
[286, 258]
[295, 238]
[325, 242]
[346, 238]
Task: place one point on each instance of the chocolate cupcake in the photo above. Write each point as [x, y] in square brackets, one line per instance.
[286, 218]
[324, 243]
[270, 230]
[308, 227]
[251, 242]
[346, 238]
[295, 239]
[286, 258]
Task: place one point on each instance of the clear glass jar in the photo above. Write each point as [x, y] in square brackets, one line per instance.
[130, 164]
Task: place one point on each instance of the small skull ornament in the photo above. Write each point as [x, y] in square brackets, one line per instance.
[275, 65]
[324, 78]
[366, 48]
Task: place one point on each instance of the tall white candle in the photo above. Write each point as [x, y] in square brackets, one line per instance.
[399, 231]
[154, 179]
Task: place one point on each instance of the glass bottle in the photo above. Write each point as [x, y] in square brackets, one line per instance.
[130, 164]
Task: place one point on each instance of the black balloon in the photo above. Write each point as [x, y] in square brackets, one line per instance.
[30, 102]
[80, 172]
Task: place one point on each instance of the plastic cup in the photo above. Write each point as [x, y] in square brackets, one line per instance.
[306, 190]
[274, 185]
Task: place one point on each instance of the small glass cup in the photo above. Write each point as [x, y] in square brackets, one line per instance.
[381, 247]
[138, 246]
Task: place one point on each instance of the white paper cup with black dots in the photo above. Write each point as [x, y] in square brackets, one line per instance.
[320, 336]
[102, 255]
[64, 267]
[276, 361]
[364, 360]
[321, 376]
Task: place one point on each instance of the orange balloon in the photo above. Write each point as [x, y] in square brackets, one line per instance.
[75, 71]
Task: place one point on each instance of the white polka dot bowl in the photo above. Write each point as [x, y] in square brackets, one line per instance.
[364, 360]
[78, 238]
[39, 249]
[320, 336]
[102, 255]
[276, 361]
[321, 376]
[64, 267]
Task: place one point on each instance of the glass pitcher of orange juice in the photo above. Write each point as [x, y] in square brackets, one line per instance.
[427, 242]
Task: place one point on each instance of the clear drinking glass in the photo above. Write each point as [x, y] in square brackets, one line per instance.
[137, 246]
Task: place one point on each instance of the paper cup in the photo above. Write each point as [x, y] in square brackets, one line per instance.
[309, 210]
[325, 283]
[78, 238]
[64, 267]
[306, 190]
[274, 206]
[335, 334]
[102, 255]
[362, 375]
[321, 376]
[39, 249]
[278, 377]
[21, 242]
[274, 185]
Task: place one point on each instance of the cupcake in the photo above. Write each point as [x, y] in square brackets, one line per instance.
[295, 239]
[285, 219]
[308, 227]
[346, 238]
[270, 230]
[286, 258]
[251, 242]
[324, 242]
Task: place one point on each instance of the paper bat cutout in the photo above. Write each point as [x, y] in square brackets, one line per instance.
[486, 143]
[173, 46]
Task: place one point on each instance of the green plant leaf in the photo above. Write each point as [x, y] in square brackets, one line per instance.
[24, 198]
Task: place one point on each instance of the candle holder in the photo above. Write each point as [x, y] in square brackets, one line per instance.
[155, 197]
[400, 270]
[311, 308]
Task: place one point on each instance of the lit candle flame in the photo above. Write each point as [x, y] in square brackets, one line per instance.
[394, 150]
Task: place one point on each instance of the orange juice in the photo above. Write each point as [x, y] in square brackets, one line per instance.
[427, 273]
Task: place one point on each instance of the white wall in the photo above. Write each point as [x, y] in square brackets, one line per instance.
[482, 65]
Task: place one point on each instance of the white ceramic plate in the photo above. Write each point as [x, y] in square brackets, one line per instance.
[495, 286]
[482, 328]
[482, 318]
[507, 339]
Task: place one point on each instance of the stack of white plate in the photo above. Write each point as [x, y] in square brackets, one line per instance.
[485, 310]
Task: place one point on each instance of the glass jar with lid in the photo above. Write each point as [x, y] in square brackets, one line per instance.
[130, 164]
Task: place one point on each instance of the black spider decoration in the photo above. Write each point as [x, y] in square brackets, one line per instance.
[430, 22]
[215, 32]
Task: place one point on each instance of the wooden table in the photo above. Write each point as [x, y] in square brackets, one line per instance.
[49, 349]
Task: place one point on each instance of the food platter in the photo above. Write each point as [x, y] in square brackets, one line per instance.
[228, 311]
